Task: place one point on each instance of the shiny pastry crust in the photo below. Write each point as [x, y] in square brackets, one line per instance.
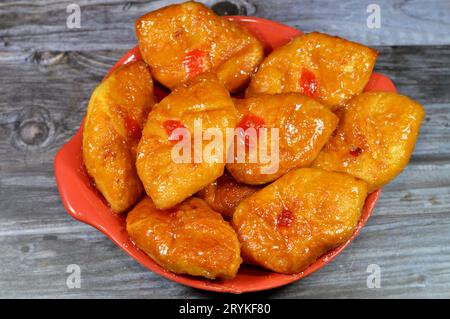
[115, 116]
[225, 194]
[287, 225]
[304, 126]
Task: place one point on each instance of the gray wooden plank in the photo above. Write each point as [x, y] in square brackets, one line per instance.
[47, 74]
[421, 72]
[108, 25]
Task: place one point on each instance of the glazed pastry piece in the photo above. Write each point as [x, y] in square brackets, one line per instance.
[181, 41]
[327, 68]
[115, 116]
[225, 194]
[375, 137]
[169, 181]
[187, 239]
[304, 126]
[290, 223]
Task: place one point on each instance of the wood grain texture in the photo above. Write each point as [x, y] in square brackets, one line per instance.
[47, 73]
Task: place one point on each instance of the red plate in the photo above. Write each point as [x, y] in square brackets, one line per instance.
[83, 201]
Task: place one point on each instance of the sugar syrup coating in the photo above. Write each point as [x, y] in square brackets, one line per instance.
[165, 180]
[225, 194]
[115, 117]
[183, 40]
[289, 224]
[304, 126]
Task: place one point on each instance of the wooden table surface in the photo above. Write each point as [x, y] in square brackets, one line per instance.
[47, 72]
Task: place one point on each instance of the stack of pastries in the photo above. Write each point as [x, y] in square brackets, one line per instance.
[336, 143]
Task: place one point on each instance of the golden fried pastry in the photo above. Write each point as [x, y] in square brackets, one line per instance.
[181, 41]
[304, 126]
[375, 137]
[114, 120]
[167, 181]
[187, 239]
[327, 68]
[225, 194]
[287, 225]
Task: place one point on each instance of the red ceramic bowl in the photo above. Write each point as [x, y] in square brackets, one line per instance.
[84, 202]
